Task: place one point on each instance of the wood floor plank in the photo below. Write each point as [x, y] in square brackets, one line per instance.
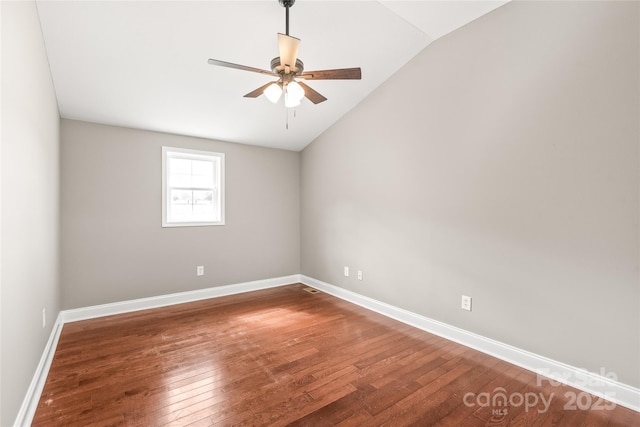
[281, 357]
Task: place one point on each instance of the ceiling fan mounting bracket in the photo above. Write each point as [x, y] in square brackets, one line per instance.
[286, 3]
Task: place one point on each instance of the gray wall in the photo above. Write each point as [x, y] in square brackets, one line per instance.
[29, 226]
[500, 163]
[113, 245]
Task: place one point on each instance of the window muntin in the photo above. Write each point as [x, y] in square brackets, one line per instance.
[192, 187]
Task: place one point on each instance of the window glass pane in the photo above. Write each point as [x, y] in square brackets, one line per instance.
[180, 180]
[180, 166]
[203, 197]
[204, 213]
[199, 181]
[181, 197]
[180, 212]
[201, 167]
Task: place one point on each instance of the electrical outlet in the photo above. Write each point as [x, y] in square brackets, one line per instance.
[44, 317]
[200, 270]
[466, 303]
[346, 271]
[359, 274]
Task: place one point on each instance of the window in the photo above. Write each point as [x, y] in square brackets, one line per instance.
[192, 187]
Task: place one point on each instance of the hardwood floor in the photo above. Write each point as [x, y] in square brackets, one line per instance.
[285, 356]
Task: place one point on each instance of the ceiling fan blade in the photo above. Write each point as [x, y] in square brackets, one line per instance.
[256, 93]
[240, 67]
[339, 74]
[311, 94]
[288, 47]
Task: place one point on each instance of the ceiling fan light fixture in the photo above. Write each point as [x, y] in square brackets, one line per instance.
[273, 92]
[293, 94]
[290, 101]
[287, 67]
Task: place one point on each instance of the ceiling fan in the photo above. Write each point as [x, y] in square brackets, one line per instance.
[289, 70]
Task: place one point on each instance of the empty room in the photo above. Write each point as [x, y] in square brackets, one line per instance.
[320, 213]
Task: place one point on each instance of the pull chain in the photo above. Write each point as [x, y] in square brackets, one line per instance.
[287, 121]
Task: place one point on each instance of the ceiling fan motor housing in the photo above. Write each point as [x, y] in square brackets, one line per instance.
[275, 66]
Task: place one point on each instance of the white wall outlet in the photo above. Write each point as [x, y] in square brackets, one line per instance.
[200, 270]
[44, 317]
[466, 303]
[359, 274]
[346, 272]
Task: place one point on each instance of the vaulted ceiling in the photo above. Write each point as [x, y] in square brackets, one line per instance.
[143, 64]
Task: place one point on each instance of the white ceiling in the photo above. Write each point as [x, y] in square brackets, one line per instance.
[143, 64]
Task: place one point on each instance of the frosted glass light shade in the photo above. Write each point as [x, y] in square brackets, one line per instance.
[293, 94]
[290, 101]
[273, 92]
[295, 90]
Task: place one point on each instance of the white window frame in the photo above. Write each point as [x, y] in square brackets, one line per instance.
[169, 152]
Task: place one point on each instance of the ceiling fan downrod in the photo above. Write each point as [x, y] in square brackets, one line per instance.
[287, 4]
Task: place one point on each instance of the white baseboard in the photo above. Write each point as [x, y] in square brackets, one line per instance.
[171, 299]
[30, 402]
[547, 369]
